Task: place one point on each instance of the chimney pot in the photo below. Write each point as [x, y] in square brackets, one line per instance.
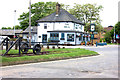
[57, 9]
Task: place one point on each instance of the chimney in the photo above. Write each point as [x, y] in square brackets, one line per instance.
[57, 9]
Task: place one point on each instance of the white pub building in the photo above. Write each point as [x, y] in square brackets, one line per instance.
[61, 27]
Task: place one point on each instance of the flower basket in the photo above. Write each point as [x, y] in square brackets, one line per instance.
[82, 43]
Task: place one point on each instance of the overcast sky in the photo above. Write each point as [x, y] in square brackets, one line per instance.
[109, 15]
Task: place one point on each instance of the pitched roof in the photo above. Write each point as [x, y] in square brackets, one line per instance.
[63, 16]
[33, 30]
[108, 28]
[9, 31]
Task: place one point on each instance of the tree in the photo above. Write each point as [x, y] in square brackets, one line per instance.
[9, 28]
[88, 13]
[17, 27]
[6, 28]
[108, 37]
[38, 11]
[117, 30]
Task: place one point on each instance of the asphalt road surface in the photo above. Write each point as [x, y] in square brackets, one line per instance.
[104, 65]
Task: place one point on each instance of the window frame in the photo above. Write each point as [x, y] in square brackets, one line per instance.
[45, 26]
[70, 37]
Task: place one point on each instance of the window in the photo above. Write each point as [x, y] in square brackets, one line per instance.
[54, 36]
[62, 36]
[70, 37]
[76, 26]
[38, 24]
[45, 26]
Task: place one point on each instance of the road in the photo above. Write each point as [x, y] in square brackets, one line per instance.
[104, 65]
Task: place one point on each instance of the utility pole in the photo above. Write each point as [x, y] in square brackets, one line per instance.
[30, 23]
[14, 21]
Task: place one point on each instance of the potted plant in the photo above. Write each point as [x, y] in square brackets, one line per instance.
[88, 42]
[83, 43]
[100, 39]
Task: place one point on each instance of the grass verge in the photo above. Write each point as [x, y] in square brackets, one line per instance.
[55, 54]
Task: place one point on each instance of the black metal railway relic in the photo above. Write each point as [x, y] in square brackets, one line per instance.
[23, 47]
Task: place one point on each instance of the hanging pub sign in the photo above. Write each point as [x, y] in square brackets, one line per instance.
[92, 27]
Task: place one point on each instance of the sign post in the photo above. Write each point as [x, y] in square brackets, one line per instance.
[92, 29]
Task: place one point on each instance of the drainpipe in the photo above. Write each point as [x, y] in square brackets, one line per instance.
[53, 26]
[75, 38]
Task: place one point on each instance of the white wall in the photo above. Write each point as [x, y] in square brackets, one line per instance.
[64, 26]
[57, 26]
[41, 30]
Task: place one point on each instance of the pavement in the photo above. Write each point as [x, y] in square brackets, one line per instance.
[104, 65]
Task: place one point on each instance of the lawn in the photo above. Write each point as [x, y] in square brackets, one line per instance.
[54, 54]
[113, 43]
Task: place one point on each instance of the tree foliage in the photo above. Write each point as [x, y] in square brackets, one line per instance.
[117, 30]
[6, 28]
[110, 35]
[38, 11]
[17, 27]
[88, 13]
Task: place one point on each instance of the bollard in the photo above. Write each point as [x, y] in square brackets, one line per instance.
[96, 43]
[58, 47]
[41, 46]
[47, 46]
[53, 47]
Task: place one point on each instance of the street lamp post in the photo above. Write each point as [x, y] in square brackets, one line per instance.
[14, 21]
[30, 23]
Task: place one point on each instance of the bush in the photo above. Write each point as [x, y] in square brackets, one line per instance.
[107, 37]
[104, 40]
[100, 39]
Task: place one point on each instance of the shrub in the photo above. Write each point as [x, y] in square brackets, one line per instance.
[107, 37]
[104, 40]
[100, 39]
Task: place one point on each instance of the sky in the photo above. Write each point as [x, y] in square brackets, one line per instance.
[8, 18]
